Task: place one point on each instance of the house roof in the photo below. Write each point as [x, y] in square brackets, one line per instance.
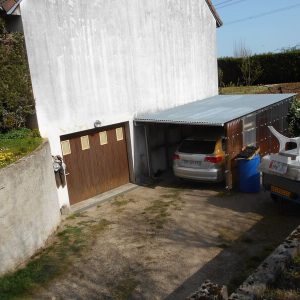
[9, 6]
[214, 12]
[214, 111]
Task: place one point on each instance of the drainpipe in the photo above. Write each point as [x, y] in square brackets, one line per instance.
[147, 151]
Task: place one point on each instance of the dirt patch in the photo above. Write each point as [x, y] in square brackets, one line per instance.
[162, 242]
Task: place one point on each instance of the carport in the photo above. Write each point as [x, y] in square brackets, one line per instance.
[240, 119]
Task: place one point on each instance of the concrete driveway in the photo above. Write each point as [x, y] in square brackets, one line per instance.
[163, 241]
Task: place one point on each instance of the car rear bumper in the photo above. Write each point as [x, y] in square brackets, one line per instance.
[214, 175]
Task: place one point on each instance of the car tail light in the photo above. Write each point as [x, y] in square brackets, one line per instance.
[213, 159]
[176, 157]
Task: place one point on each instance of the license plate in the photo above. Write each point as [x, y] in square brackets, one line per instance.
[280, 191]
[191, 163]
[278, 167]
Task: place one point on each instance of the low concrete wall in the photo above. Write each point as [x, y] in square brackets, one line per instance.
[268, 271]
[29, 209]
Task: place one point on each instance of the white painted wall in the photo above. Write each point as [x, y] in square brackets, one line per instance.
[109, 60]
[29, 209]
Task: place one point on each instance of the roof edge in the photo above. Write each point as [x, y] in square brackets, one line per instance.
[10, 6]
[208, 2]
[214, 12]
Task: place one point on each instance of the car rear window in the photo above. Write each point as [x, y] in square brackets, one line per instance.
[201, 147]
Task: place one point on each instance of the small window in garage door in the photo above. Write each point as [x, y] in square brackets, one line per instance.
[85, 143]
[103, 138]
[119, 134]
[65, 147]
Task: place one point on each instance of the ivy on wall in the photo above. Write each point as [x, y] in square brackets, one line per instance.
[16, 97]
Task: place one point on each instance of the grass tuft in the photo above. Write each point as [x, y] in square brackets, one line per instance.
[16, 144]
[158, 213]
[51, 261]
[124, 288]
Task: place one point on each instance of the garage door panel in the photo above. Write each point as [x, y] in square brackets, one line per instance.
[99, 168]
[119, 157]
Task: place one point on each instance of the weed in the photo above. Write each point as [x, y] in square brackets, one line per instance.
[77, 215]
[158, 212]
[227, 234]
[120, 201]
[278, 294]
[225, 193]
[15, 144]
[71, 217]
[100, 226]
[124, 288]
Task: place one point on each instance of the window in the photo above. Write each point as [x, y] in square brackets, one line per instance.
[65, 147]
[103, 138]
[197, 146]
[249, 130]
[85, 143]
[119, 134]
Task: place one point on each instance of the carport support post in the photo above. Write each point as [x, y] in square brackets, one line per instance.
[146, 131]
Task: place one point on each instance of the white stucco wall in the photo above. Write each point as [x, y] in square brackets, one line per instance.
[29, 208]
[109, 60]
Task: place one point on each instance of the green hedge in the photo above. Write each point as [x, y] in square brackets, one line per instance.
[16, 98]
[277, 68]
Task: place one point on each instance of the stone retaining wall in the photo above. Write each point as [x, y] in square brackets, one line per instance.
[271, 267]
[29, 209]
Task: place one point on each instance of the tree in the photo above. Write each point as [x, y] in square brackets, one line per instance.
[220, 77]
[251, 70]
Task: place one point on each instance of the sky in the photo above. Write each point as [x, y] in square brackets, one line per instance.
[268, 33]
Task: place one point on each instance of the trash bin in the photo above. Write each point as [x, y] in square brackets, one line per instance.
[249, 175]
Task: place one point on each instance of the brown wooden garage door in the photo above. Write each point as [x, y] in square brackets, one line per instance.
[96, 162]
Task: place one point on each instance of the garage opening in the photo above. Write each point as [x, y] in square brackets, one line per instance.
[240, 120]
[96, 160]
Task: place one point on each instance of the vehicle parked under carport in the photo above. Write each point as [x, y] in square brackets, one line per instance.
[241, 120]
[200, 159]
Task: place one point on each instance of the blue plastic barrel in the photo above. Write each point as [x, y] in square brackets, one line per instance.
[249, 175]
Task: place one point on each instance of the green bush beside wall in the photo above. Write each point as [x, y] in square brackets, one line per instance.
[16, 98]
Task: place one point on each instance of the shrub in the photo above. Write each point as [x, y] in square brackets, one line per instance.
[16, 98]
[293, 119]
[276, 68]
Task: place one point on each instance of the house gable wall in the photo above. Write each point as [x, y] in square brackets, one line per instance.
[109, 60]
[112, 59]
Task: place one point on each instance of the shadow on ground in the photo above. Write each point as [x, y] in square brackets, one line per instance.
[162, 241]
[239, 258]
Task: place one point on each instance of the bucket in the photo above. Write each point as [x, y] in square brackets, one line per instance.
[249, 175]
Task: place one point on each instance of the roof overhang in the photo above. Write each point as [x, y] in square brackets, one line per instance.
[9, 6]
[214, 111]
[214, 12]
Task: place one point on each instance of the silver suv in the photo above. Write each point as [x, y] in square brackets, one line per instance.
[200, 159]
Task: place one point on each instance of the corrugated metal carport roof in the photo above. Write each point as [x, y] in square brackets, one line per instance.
[215, 111]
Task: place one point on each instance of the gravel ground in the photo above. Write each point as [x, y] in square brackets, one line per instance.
[163, 241]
